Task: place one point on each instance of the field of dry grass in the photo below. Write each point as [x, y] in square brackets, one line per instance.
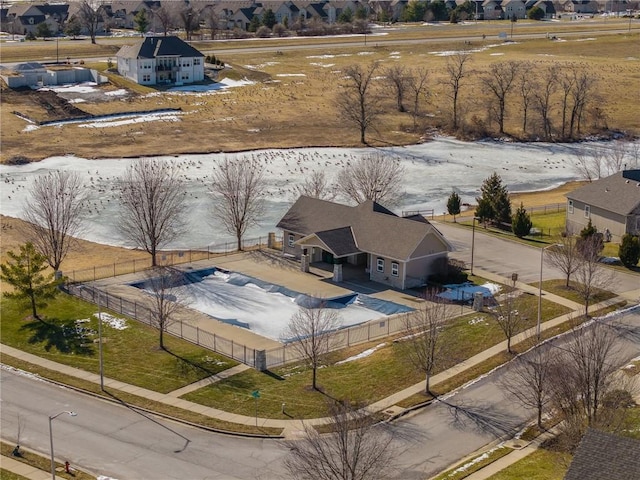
[291, 103]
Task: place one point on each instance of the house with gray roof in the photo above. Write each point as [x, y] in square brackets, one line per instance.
[367, 239]
[161, 61]
[611, 203]
[603, 455]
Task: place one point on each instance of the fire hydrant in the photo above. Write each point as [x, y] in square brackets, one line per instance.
[67, 467]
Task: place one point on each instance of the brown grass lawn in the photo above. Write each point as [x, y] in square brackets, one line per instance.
[282, 110]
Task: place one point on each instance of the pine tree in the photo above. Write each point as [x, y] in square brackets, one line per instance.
[24, 273]
[495, 198]
[521, 222]
[453, 205]
[269, 19]
[142, 22]
[254, 24]
[629, 251]
[590, 241]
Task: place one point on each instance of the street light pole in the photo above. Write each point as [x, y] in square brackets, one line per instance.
[100, 344]
[540, 291]
[51, 418]
[473, 240]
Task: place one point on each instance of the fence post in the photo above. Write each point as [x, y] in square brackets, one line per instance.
[232, 349]
[348, 337]
[134, 265]
[114, 269]
[214, 343]
[208, 252]
[368, 332]
[120, 304]
[181, 335]
[94, 273]
[197, 335]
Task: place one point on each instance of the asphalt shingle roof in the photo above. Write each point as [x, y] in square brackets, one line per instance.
[152, 47]
[619, 193]
[375, 229]
[605, 456]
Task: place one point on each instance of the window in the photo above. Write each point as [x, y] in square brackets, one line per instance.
[570, 206]
[146, 78]
[291, 240]
[587, 211]
[196, 61]
[394, 269]
[380, 265]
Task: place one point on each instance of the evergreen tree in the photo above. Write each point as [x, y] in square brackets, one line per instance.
[414, 11]
[453, 205]
[438, 10]
[24, 272]
[495, 194]
[483, 211]
[346, 16]
[362, 13]
[629, 251]
[521, 222]
[73, 28]
[142, 22]
[43, 30]
[285, 22]
[590, 241]
[269, 19]
[254, 24]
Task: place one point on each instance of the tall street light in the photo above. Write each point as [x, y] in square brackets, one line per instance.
[51, 417]
[540, 289]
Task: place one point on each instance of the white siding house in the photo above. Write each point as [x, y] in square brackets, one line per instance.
[161, 61]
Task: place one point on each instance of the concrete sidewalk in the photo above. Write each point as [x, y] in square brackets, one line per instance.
[22, 469]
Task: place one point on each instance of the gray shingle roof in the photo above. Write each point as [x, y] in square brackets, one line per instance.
[375, 229]
[152, 47]
[340, 241]
[605, 456]
[619, 193]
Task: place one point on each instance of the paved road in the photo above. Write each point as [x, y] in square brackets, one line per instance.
[506, 257]
[447, 431]
[113, 440]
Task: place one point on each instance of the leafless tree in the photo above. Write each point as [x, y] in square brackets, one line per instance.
[90, 15]
[358, 448]
[55, 210]
[457, 70]
[499, 81]
[417, 84]
[582, 377]
[566, 81]
[585, 84]
[316, 185]
[376, 177]
[590, 275]
[165, 16]
[189, 20]
[165, 304]
[424, 326]
[310, 332]
[152, 195]
[543, 97]
[212, 20]
[508, 317]
[398, 77]
[591, 163]
[618, 156]
[239, 185]
[526, 86]
[564, 256]
[529, 379]
[357, 102]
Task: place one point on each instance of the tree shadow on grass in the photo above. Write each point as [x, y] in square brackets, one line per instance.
[185, 365]
[66, 337]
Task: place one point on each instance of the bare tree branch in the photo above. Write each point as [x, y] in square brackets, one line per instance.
[152, 195]
[417, 84]
[239, 185]
[457, 70]
[374, 177]
[397, 78]
[357, 103]
[165, 304]
[356, 449]
[499, 81]
[310, 332]
[564, 256]
[55, 210]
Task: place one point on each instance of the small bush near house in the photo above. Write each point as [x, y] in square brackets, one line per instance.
[629, 251]
[536, 13]
[263, 32]
[279, 30]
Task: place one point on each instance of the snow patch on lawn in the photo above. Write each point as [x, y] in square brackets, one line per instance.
[364, 354]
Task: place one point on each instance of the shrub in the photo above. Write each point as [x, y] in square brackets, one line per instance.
[280, 30]
[629, 251]
[536, 13]
[29, 36]
[263, 32]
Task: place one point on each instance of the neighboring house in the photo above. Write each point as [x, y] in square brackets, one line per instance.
[548, 6]
[611, 203]
[513, 8]
[161, 61]
[492, 9]
[603, 455]
[367, 240]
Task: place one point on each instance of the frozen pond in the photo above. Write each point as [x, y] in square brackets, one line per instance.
[432, 171]
[266, 308]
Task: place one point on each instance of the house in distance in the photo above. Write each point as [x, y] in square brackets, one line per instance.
[161, 61]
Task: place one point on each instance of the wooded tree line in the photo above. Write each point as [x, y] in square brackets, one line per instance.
[523, 99]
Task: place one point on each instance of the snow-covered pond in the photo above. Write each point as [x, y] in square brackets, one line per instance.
[266, 308]
[432, 171]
